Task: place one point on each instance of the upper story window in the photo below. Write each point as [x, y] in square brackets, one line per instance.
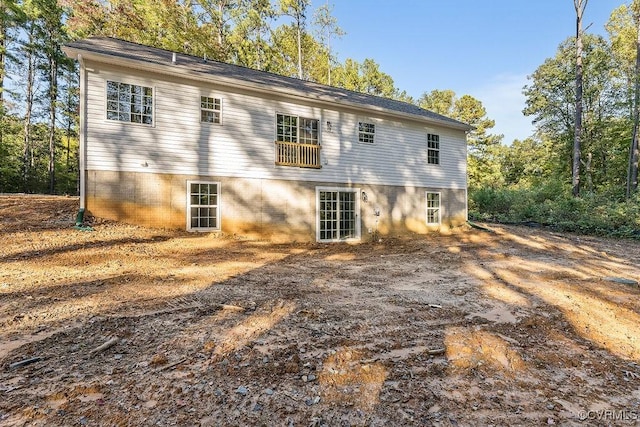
[210, 110]
[433, 149]
[297, 142]
[129, 103]
[366, 132]
[296, 129]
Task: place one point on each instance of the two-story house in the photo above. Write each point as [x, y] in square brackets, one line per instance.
[171, 140]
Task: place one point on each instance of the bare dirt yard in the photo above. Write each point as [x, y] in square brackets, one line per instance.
[129, 326]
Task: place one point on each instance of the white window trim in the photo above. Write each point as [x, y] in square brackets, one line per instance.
[426, 204]
[207, 109]
[133, 83]
[375, 127]
[439, 150]
[358, 220]
[299, 116]
[188, 210]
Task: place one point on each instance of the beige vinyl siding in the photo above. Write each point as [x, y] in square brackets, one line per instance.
[243, 146]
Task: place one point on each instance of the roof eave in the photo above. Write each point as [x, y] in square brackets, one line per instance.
[173, 69]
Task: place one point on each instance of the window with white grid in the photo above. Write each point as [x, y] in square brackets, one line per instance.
[433, 149]
[297, 129]
[337, 211]
[366, 132]
[129, 103]
[433, 208]
[210, 110]
[203, 206]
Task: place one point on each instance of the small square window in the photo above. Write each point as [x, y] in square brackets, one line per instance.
[366, 132]
[210, 110]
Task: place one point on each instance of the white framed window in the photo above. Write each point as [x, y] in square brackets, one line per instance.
[433, 149]
[366, 132]
[297, 129]
[203, 206]
[337, 214]
[210, 110]
[129, 103]
[433, 208]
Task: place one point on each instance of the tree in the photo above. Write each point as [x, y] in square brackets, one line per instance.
[285, 54]
[51, 35]
[580, 6]
[11, 15]
[550, 100]
[219, 13]
[296, 9]
[624, 31]
[30, 55]
[251, 35]
[484, 149]
[327, 27]
[365, 78]
[526, 163]
[438, 101]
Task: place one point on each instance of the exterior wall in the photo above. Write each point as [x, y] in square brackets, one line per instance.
[243, 145]
[266, 208]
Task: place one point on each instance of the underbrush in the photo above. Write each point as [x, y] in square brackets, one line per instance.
[552, 207]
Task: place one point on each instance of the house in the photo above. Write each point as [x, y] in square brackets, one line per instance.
[177, 141]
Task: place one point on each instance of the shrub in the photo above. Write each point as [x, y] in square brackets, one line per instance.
[552, 206]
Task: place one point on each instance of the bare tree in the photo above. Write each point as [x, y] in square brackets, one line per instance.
[580, 6]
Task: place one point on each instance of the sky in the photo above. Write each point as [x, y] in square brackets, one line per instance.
[482, 48]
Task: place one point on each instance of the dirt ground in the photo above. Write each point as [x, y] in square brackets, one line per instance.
[129, 326]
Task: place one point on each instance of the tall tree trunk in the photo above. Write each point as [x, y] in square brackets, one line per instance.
[299, 49]
[580, 6]
[3, 50]
[27, 151]
[632, 172]
[220, 25]
[53, 95]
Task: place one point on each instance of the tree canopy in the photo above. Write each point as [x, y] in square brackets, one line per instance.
[39, 87]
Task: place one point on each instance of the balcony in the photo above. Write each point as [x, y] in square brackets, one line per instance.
[299, 155]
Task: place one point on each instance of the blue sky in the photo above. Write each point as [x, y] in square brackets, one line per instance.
[483, 48]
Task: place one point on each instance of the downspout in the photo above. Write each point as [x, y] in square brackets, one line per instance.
[82, 146]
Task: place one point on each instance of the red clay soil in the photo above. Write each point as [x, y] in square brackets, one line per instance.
[129, 326]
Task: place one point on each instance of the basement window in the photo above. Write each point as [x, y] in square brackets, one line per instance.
[203, 206]
[433, 208]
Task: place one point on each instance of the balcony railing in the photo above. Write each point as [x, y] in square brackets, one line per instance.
[300, 155]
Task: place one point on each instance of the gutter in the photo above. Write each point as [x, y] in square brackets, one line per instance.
[82, 150]
[171, 69]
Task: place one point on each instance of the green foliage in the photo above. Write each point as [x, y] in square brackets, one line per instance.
[10, 155]
[484, 149]
[553, 206]
[365, 77]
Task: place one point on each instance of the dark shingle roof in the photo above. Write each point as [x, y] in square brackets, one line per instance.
[120, 49]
